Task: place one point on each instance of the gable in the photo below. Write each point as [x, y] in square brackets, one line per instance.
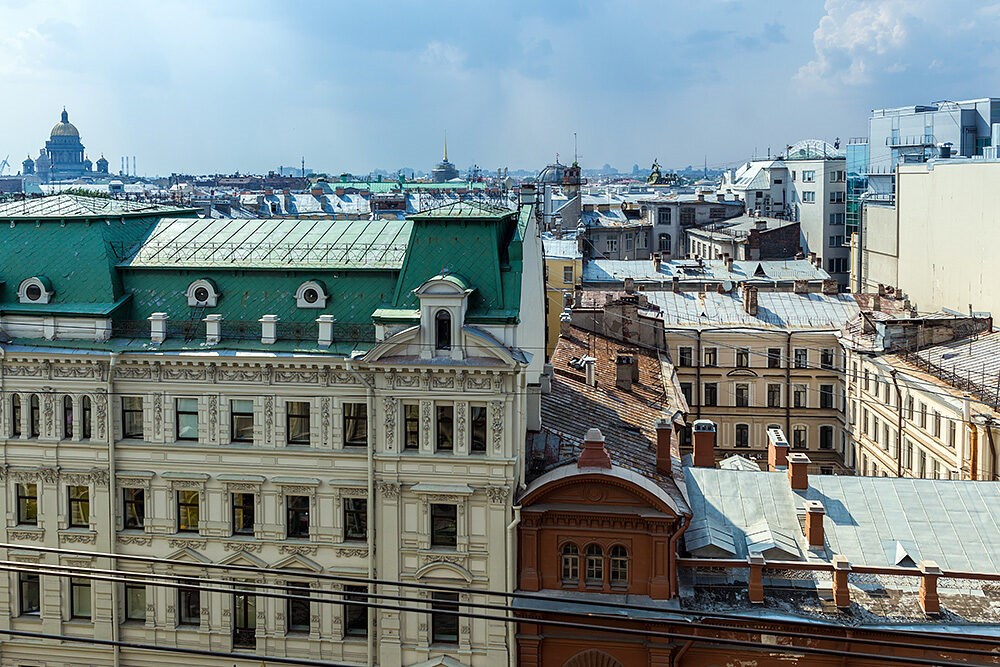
[588, 490]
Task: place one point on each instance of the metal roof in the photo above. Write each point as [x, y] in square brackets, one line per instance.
[561, 248]
[78, 206]
[273, 243]
[714, 270]
[973, 359]
[778, 310]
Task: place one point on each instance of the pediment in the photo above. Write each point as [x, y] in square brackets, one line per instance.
[298, 562]
[189, 555]
[244, 558]
[440, 569]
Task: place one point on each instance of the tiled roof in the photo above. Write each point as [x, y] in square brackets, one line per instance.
[625, 418]
[78, 206]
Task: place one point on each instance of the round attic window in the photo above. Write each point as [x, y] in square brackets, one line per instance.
[201, 294]
[310, 295]
[33, 292]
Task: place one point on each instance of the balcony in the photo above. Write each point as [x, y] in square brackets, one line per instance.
[911, 141]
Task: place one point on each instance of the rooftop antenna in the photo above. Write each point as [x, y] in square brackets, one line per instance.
[303, 166]
[446, 145]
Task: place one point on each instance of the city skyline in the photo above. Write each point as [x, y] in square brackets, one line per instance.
[221, 88]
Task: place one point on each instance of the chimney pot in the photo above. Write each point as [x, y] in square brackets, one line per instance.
[720, 197]
[626, 369]
[664, 460]
[325, 323]
[629, 285]
[928, 596]
[750, 300]
[801, 286]
[704, 431]
[675, 284]
[701, 196]
[841, 590]
[158, 327]
[268, 329]
[814, 524]
[213, 328]
[831, 287]
[798, 471]
[594, 455]
[589, 367]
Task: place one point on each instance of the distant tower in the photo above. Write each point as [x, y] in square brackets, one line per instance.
[134, 172]
[28, 166]
[303, 166]
[102, 165]
[444, 171]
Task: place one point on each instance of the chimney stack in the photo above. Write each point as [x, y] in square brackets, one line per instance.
[814, 524]
[750, 300]
[812, 258]
[268, 329]
[655, 257]
[629, 285]
[626, 369]
[801, 286]
[527, 195]
[594, 455]
[589, 369]
[325, 337]
[729, 262]
[213, 328]
[704, 443]
[701, 196]
[929, 600]
[831, 287]
[158, 327]
[675, 284]
[760, 225]
[664, 461]
[777, 450]
[720, 197]
[798, 471]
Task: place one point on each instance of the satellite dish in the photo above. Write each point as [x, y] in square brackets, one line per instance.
[727, 285]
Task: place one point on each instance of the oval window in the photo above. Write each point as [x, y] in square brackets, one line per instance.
[201, 294]
[33, 292]
[310, 295]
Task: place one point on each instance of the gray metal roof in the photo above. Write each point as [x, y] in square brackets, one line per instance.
[714, 270]
[561, 248]
[974, 359]
[78, 206]
[775, 310]
[876, 521]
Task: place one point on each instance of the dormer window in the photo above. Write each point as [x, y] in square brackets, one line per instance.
[202, 294]
[311, 294]
[37, 289]
[442, 330]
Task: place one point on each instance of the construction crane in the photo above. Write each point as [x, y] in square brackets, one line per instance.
[4, 165]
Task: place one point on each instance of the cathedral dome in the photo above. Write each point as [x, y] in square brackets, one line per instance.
[64, 128]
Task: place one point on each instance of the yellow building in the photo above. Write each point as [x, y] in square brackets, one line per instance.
[563, 271]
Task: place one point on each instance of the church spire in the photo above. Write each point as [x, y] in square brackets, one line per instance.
[446, 145]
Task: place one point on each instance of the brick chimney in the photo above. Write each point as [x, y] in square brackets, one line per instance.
[831, 287]
[626, 369]
[841, 575]
[655, 258]
[814, 524]
[760, 225]
[729, 262]
[720, 197]
[629, 285]
[594, 455]
[704, 443]
[675, 284]
[929, 600]
[801, 286]
[664, 461]
[701, 196]
[798, 471]
[750, 300]
[777, 450]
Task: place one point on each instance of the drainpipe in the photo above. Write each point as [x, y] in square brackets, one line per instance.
[973, 441]
[993, 448]
[697, 369]
[788, 383]
[672, 555]
[112, 497]
[512, 582]
[899, 425]
[370, 400]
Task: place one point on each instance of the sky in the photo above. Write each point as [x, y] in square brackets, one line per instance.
[222, 86]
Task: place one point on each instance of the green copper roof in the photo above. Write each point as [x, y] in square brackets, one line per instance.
[78, 206]
[464, 210]
[293, 243]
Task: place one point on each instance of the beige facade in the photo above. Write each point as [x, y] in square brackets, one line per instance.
[937, 244]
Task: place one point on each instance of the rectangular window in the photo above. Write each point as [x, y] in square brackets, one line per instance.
[355, 424]
[742, 395]
[799, 437]
[444, 622]
[827, 358]
[444, 526]
[568, 275]
[478, 431]
[799, 397]
[445, 428]
[684, 356]
[867, 380]
[135, 602]
[774, 357]
[612, 245]
[774, 395]
[837, 197]
[836, 240]
[355, 519]
[79, 598]
[909, 408]
[743, 357]
[132, 417]
[711, 356]
[79, 506]
[189, 604]
[298, 609]
[826, 437]
[742, 435]
[801, 356]
[29, 598]
[937, 424]
[935, 469]
[297, 516]
[865, 417]
[908, 455]
[241, 420]
[808, 176]
[923, 415]
[808, 197]
[663, 216]
[836, 219]
[133, 509]
[244, 509]
[188, 511]
[837, 265]
[922, 467]
[411, 426]
[711, 394]
[187, 418]
[85, 428]
[686, 391]
[35, 415]
[355, 615]
[297, 422]
[951, 432]
[27, 504]
[826, 396]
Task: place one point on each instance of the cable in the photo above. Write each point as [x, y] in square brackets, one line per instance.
[63, 571]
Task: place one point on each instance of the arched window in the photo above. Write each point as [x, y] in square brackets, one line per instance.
[595, 564]
[67, 417]
[570, 563]
[619, 565]
[36, 418]
[800, 437]
[442, 330]
[664, 243]
[15, 415]
[85, 422]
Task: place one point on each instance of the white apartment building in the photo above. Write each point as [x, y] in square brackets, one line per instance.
[233, 413]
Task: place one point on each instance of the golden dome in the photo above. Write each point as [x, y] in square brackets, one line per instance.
[64, 128]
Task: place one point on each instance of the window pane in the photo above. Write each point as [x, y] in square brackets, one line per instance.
[444, 526]
[189, 604]
[135, 602]
[298, 609]
[355, 518]
[134, 508]
[478, 443]
[80, 598]
[355, 424]
[444, 626]
[241, 423]
[188, 511]
[30, 600]
[79, 506]
[411, 417]
[297, 422]
[445, 427]
[297, 516]
[243, 513]
[27, 504]
[355, 616]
